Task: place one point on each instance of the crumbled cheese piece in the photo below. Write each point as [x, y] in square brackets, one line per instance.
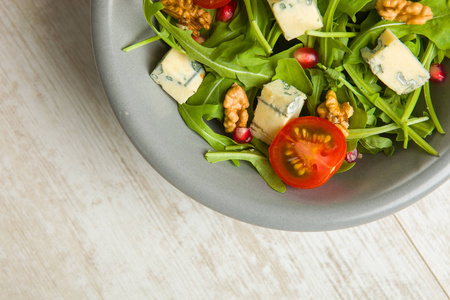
[395, 65]
[296, 16]
[179, 76]
[278, 104]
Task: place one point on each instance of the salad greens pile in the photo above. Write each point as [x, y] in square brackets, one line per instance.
[252, 51]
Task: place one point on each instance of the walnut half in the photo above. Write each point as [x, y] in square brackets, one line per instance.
[335, 112]
[188, 14]
[235, 104]
[412, 13]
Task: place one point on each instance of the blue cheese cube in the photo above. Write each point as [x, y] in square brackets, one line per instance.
[278, 104]
[395, 65]
[179, 76]
[296, 16]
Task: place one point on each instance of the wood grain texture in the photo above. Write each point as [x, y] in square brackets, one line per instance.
[83, 216]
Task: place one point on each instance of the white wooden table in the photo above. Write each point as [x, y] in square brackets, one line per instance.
[83, 216]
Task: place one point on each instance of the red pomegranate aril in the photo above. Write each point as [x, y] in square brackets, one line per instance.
[437, 73]
[307, 57]
[199, 39]
[352, 156]
[242, 135]
[226, 13]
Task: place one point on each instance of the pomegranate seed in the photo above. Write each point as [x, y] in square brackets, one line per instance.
[437, 73]
[307, 57]
[199, 39]
[226, 12]
[352, 156]
[242, 135]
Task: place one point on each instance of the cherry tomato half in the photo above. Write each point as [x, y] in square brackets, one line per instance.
[307, 152]
[211, 3]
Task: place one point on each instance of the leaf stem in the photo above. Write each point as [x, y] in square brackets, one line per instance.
[433, 116]
[154, 9]
[141, 43]
[356, 134]
[342, 80]
[257, 159]
[427, 58]
[353, 25]
[274, 34]
[328, 27]
[256, 30]
[238, 147]
[336, 34]
[409, 107]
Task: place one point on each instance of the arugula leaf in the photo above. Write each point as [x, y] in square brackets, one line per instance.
[151, 9]
[425, 128]
[271, 62]
[414, 46]
[359, 118]
[290, 71]
[243, 50]
[257, 159]
[211, 91]
[349, 8]
[194, 116]
[223, 32]
[352, 7]
[375, 144]
[319, 83]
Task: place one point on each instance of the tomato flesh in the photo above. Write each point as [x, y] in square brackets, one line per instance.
[211, 4]
[307, 152]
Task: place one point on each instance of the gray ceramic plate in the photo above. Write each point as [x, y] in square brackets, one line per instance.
[376, 187]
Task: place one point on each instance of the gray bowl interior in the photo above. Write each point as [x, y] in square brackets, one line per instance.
[376, 187]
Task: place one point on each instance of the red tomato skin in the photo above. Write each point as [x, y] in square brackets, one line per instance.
[211, 4]
[316, 177]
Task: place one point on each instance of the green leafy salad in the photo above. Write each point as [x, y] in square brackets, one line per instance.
[256, 48]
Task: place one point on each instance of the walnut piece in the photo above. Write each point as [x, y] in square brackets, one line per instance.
[335, 112]
[188, 14]
[235, 104]
[412, 13]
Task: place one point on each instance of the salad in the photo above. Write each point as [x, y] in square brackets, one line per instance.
[301, 89]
